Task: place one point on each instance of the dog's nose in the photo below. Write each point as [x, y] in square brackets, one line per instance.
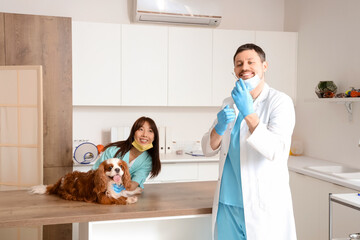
[117, 170]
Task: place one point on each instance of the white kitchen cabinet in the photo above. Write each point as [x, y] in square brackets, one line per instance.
[281, 53]
[348, 200]
[311, 209]
[190, 67]
[187, 172]
[172, 172]
[208, 171]
[144, 65]
[96, 63]
[157, 228]
[225, 44]
[138, 65]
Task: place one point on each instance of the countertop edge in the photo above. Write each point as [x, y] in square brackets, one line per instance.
[107, 217]
[299, 164]
[158, 200]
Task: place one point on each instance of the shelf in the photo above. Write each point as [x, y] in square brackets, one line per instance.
[333, 100]
[347, 101]
[339, 100]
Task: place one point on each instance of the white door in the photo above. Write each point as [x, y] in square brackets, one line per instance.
[281, 53]
[144, 65]
[225, 44]
[190, 66]
[96, 63]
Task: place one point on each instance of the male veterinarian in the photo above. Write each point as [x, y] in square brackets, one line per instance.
[253, 134]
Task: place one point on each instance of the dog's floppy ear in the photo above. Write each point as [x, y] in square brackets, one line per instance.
[100, 179]
[126, 178]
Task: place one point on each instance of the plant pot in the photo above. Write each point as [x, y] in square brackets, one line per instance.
[326, 89]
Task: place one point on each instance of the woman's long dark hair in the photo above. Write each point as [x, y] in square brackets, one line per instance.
[126, 145]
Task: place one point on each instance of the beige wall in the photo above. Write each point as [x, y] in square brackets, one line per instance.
[237, 14]
[328, 50]
[80, 10]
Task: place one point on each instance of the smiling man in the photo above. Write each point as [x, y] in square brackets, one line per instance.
[253, 134]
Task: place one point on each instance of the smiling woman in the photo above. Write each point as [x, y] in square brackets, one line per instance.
[140, 151]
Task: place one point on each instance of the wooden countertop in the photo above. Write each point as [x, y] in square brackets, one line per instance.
[20, 208]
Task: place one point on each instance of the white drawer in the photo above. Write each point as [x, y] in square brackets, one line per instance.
[171, 172]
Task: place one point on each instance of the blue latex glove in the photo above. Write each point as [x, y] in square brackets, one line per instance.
[225, 116]
[242, 98]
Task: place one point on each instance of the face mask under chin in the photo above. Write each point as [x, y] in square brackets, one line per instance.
[140, 147]
[252, 83]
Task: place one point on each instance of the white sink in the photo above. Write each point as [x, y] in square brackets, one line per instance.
[354, 176]
[344, 172]
[333, 169]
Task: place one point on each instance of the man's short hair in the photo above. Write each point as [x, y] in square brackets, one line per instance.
[251, 46]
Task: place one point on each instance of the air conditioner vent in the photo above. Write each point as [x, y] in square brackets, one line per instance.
[177, 12]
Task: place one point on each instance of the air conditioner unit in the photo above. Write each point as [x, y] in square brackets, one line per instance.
[195, 12]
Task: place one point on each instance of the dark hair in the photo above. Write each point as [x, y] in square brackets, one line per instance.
[126, 145]
[251, 46]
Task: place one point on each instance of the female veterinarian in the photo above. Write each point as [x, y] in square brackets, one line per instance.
[140, 151]
[253, 134]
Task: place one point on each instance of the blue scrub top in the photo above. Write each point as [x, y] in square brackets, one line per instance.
[230, 190]
[230, 217]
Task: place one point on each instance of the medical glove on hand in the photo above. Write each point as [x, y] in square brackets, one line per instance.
[242, 98]
[224, 117]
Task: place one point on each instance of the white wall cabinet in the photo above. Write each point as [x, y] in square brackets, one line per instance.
[96, 63]
[190, 66]
[311, 209]
[281, 54]
[144, 65]
[225, 44]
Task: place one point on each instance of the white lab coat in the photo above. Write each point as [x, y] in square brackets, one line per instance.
[264, 172]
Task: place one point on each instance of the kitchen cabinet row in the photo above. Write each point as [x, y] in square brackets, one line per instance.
[149, 65]
[311, 209]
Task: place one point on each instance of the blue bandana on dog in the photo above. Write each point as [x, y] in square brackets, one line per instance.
[118, 188]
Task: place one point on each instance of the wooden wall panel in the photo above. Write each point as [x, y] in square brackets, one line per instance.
[46, 41]
[2, 40]
[59, 232]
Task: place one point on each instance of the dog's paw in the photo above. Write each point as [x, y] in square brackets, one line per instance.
[131, 200]
[138, 190]
[107, 194]
[39, 189]
[127, 193]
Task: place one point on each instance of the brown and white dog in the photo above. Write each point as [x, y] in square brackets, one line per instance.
[94, 185]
